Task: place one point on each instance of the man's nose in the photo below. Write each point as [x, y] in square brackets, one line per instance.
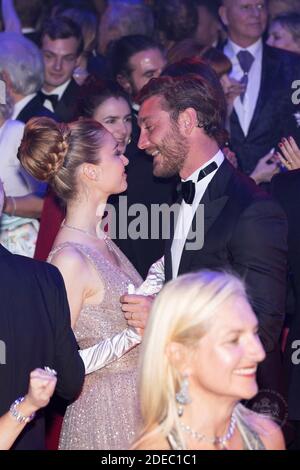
[143, 142]
[58, 63]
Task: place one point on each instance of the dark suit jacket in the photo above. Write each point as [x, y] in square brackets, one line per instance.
[272, 116]
[66, 108]
[64, 111]
[286, 189]
[34, 109]
[245, 231]
[35, 327]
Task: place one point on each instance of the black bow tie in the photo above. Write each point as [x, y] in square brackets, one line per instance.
[187, 189]
[52, 98]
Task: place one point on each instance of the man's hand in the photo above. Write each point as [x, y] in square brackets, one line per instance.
[136, 309]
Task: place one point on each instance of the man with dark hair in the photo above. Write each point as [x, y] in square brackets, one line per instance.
[244, 231]
[61, 46]
[134, 60]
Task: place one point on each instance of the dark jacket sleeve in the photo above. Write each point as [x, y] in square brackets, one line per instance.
[259, 251]
[68, 364]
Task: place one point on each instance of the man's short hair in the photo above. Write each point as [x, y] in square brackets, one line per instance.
[191, 91]
[62, 27]
[123, 49]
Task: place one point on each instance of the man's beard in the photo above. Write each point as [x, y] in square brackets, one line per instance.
[173, 151]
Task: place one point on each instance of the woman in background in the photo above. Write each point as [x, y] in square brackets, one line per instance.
[284, 32]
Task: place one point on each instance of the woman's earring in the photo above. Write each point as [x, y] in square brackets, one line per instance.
[182, 397]
[129, 141]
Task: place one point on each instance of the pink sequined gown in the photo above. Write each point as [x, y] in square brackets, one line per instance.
[106, 414]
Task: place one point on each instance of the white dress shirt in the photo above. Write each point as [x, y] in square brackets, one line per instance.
[187, 212]
[246, 109]
[59, 91]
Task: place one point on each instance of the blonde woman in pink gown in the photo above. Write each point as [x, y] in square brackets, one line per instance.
[83, 164]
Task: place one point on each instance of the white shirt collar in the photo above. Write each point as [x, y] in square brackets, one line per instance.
[28, 30]
[20, 105]
[218, 158]
[59, 90]
[254, 49]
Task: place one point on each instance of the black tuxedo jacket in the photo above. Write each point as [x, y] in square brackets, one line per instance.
[35, 328]
[66, 108]
[274, 108]
[34, 109]
[245, 232]
[286, 189]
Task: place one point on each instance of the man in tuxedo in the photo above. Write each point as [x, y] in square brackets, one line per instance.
[285, 189]
[61, 46]
[261, 115]
[245, 232]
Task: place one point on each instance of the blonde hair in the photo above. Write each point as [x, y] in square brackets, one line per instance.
[182, 313]
[52, 151]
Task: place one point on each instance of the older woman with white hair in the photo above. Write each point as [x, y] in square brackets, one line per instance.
[199, 359]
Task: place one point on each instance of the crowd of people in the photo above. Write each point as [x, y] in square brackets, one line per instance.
[150, 266]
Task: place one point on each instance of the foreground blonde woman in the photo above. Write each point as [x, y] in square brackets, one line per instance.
[201, 350]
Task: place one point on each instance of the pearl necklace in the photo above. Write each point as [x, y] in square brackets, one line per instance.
[220, 441]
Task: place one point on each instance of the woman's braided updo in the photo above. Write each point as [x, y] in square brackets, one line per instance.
[52, 152]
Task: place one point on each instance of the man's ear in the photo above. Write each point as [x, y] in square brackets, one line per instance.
[187, 121]
[223, 15]
[90, 171]
[125, 83]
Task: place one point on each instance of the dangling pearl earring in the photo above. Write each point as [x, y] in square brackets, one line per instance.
[183, 396]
